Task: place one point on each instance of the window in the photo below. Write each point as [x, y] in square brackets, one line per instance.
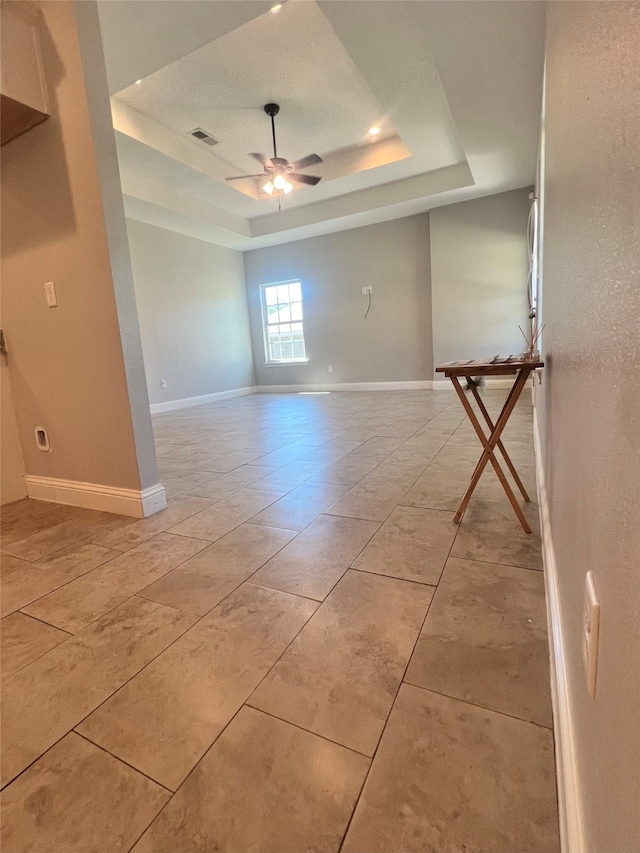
[282, 317]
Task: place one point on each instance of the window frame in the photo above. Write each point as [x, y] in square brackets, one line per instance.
[268, 361]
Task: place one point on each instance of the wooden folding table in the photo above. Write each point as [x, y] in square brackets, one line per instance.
[522, 369]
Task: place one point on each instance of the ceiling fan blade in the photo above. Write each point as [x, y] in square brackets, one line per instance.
[309, 160]
[266, 163]
[243, 177]
[312, 180]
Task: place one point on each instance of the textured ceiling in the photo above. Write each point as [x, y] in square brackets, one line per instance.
[141, 36]
[455, 87]
[293, 57]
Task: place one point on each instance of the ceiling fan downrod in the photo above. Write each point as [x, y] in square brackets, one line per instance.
[278, 170]
[272, 110]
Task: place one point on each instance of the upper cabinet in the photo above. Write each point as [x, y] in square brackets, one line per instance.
[23, 89]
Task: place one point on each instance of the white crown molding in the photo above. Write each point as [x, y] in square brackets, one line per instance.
[365, 201]
[171, 199]
[145, 130]
[417, 385]
[204, 228]
[132, 502]
[348, 161]
[187, 402]
[569, 798]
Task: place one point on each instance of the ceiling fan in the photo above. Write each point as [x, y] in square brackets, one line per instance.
[277, 170]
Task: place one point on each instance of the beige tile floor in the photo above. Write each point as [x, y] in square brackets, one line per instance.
[302, 653]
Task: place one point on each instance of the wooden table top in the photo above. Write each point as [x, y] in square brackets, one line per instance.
[482, 367]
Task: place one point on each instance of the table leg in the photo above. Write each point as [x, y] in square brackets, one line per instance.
[506, 402]
[500, 445]
[489, 445]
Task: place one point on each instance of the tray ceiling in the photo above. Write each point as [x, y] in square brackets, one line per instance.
[336, 69]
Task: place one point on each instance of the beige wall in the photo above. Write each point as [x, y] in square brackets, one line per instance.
[589, 405]
[12, 474]
[392, 344]
[97, 89]
[192, 305]
[479, 266]
[74, 368]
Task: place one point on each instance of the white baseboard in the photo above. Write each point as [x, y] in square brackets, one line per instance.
[569, 798]
[154, 499]
[414, 385]
[489, 384]
[132, 502]
[187, 402]
[409, 385]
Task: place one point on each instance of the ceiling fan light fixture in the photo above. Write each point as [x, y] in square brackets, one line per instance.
[282, 184]
[278, 185]
[278, 169]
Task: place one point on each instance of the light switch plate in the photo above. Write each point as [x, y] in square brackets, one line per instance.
[590, 632]
[50, 293]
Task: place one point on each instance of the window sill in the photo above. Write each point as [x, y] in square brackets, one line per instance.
[285, 363]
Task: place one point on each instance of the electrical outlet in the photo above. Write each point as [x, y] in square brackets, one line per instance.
[590, 632]
[364, 291]
[163, 383]
[330, 368]
[369, 289]
[42, 439]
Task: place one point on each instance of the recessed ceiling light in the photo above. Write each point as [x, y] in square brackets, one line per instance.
[138, 82]
[374, 131]
[275, 9]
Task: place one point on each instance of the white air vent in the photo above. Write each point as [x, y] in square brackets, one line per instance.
[202, 136]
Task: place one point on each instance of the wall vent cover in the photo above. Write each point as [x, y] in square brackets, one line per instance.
[202, 136]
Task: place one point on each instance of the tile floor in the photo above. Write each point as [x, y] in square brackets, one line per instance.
[302, 653]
